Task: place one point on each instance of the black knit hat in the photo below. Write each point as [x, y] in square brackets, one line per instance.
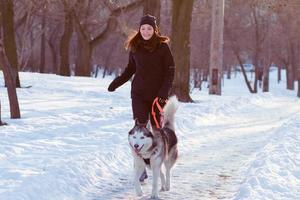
[148, 19]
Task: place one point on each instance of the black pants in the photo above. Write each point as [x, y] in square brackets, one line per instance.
[142, 110]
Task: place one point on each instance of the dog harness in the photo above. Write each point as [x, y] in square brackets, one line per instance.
[161, 112]
[147, 161]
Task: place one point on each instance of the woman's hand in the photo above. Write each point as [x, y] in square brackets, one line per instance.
[111, 87]
[161, 100]
[114, 84]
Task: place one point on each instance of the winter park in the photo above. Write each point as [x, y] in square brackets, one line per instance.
[149, 99]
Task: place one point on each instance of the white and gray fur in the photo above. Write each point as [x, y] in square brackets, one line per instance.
[153, 149]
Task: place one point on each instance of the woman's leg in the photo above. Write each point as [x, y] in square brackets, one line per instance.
[140, 110]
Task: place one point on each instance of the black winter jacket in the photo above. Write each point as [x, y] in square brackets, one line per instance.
[153, 73]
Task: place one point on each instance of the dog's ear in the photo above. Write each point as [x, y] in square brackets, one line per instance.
[137, 123]
[148, 133]
[130, 132]
[155, 131]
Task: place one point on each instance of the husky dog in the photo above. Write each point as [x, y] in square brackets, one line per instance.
[155, 148]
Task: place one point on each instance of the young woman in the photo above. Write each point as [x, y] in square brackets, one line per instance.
[152, 64]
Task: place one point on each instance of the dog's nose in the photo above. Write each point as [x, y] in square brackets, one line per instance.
[136, 146]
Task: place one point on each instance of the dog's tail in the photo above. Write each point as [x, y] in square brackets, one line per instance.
[169, 113]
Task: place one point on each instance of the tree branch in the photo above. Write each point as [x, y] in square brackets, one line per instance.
[112, 22]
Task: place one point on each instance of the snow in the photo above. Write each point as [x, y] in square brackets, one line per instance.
[71, 143]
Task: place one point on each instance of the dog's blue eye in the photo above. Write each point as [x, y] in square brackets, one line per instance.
[134, 137]
[142, 137]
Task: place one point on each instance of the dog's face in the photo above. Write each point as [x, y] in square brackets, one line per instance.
[140, 139]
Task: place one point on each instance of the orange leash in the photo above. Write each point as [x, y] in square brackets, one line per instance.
[161, 112]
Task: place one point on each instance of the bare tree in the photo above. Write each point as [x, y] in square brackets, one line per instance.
[247, 30]
[7, 12]
[43, 40]
[65, 40]
[298, 80]
[86, 41]
[10, 79]
[29, 34]
[2, 123]
[181, 19]
[289, 29]
[54, 49]
[152, 7]
[216, 48]
[200, 35]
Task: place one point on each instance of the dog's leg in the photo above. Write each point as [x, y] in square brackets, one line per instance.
[168, 169]
[139, 167]
[173, 154]
[168, 164]
[156, 171]
[163, 181]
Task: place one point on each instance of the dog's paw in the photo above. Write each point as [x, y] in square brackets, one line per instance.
[162, 189]
[167, 187]
[154, 196]
[143, 182]
[139, 194]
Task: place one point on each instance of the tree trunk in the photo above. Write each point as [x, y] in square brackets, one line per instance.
[108, 57]
[258, 71]
[10, 79]
[152, 7]
[229, 72]
[205, 73]
[244, 73]
[266, 71]
[197, 78]
[1, 122]
[181, 19]
[236, 51]
[53, 51]
[216, 48]
[266, 79]
[278, 73]
[64, 68]
[289, 78]
[85, 46]
[291, 69]
[6, 9]
[83, 57]
[298, 93]
[0, 115]
[43, 44]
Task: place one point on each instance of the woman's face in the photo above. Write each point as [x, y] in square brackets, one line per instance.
[147, 31]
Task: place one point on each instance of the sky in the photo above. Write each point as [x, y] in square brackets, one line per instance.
[71, 142]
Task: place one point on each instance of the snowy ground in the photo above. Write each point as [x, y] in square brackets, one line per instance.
[71, 143]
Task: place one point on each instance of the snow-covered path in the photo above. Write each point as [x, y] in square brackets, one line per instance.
[219, 144]
[71, 143]
[220, 150]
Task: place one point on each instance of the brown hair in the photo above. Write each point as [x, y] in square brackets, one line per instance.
[136, 41]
